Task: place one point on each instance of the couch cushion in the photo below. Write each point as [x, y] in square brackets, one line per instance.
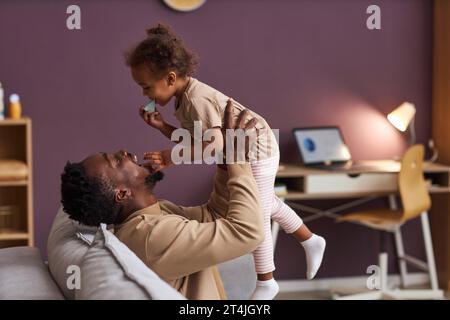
[23, 275]
[64, 249]
[239, 277]
[111, 271]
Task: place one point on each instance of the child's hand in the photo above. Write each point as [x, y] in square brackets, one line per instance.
[154, 119]
[158, 160]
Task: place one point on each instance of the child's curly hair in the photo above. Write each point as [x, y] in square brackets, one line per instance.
[162, 51]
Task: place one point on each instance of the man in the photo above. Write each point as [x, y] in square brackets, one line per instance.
[182, 245]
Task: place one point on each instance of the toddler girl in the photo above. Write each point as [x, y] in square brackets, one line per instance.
[163, 67]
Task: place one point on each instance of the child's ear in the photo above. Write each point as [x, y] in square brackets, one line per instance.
[171, 78]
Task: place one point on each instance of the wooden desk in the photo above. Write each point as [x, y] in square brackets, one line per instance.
[295, 177]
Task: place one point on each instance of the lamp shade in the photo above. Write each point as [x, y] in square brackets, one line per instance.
[401, 117]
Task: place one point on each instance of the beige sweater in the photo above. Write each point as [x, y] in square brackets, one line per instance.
[183, 245]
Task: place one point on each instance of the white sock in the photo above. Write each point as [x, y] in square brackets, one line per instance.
[265, 290]
[314, 249]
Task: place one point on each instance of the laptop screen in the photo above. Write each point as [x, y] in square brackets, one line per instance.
[321, 145]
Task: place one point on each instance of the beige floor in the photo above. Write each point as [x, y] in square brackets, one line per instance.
[316, 295]
[306, 295]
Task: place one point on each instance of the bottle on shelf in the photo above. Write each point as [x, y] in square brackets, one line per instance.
[15, 108]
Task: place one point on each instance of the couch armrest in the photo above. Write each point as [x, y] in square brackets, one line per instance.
[24, 276]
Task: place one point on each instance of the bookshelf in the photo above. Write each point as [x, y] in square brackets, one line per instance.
[16, 191]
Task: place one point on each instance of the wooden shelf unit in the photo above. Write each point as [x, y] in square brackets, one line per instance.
[16, 144]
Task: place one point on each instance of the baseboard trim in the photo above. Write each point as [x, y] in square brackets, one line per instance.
[346, 282]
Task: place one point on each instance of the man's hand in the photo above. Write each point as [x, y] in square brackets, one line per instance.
[158, 160]
[231, 124]
[154, 119]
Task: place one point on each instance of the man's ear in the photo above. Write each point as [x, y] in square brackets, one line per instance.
[171, 78]
[122, 195]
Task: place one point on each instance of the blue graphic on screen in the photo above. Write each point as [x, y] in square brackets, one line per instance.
[320, 145]
[309, 144]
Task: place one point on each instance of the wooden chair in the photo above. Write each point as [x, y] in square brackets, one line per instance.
[416, 202]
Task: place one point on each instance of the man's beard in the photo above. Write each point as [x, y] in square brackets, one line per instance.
[152, 179]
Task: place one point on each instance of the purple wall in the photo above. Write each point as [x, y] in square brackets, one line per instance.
[298, 63]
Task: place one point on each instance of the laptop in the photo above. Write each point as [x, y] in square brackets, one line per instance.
[325, 148]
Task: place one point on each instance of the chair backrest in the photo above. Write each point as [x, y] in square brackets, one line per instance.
[412, 185]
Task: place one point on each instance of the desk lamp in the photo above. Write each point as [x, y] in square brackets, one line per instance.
[402, 118]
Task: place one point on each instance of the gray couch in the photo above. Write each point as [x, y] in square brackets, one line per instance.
[109, 269]
[23, 275]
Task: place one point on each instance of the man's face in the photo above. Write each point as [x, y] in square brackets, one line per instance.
[121, 168]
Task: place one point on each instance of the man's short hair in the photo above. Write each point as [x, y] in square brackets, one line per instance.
[88, 200]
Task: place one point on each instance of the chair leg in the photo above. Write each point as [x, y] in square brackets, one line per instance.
[373, 294]
[383, 264]
[401, 254]
[429, 250]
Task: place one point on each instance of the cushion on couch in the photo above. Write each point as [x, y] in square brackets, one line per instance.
[239, 277]
[64, 249]
[24, 276]
[111, 271]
